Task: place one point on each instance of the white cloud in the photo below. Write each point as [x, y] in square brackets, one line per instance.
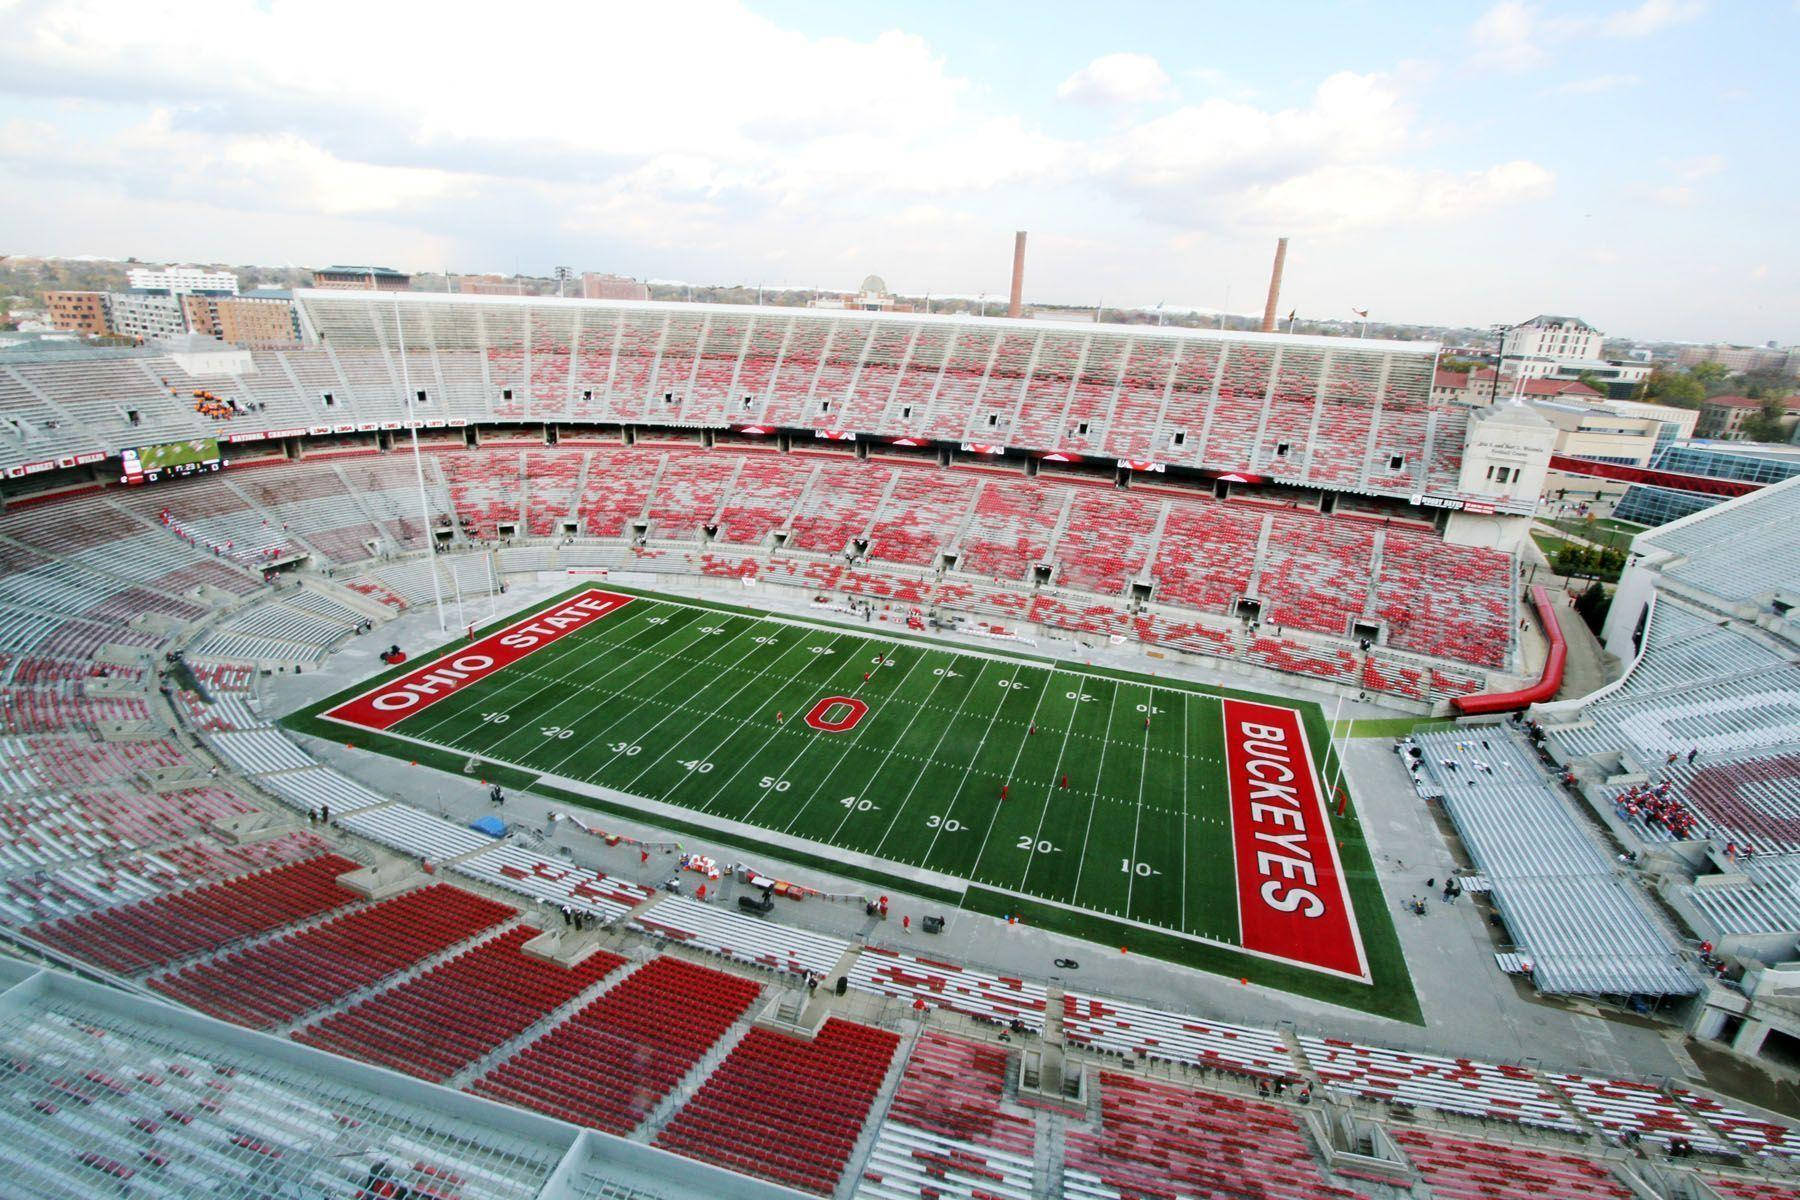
[1116, 79]
[1516, 36]
[1339, 162]
[1507, 37]
[1652, 16]
[1594, 85]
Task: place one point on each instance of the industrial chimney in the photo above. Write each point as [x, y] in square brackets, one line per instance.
[1018, 288]
[1268, 324]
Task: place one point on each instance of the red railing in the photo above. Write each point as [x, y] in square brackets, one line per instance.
[1548, 682]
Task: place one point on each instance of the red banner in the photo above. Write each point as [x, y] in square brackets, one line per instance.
[1293, 902]
[386, 706]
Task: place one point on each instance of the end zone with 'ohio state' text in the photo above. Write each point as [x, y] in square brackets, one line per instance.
[1147, 813]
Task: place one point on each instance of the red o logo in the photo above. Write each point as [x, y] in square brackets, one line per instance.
[844, 712]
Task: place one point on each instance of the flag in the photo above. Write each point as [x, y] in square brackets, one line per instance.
[1291, 314]
[1361, 312]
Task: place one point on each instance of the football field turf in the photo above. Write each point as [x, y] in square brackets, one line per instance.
[1115, 806]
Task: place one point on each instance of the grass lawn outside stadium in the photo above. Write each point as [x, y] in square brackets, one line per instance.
[1120, 821]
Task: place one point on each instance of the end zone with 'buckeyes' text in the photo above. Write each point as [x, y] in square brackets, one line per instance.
[388, 704]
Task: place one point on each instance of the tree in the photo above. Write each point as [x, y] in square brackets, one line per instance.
[1593, 381]
[1592, 604]
[1765, 425]
[1710, 374]
[1680, 389]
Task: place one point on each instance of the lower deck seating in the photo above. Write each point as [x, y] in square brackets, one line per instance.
[1173, 1037]
[1457, 1169]
[274, 982]
[1460, 1085]
[445, 1019]
[743, 939]
[784, 1108]
[1624, 1108]
[996, 998]
[611, 1063]
[946, 1133]
[1164, 1141]
[76, 888]
[160, 930]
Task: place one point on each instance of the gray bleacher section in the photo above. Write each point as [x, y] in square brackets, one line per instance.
[1698, 684]
[1715, 545]
[1763, 901]
[1577, 920]
[114, 1094]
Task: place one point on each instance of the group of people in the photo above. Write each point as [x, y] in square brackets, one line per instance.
[1658, 808]
[319, 816]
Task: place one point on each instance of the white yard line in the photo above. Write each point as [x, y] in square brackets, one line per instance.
[852, 744]
[756, 677]
[1094, 800]
[561, 681]
[918, 708]
[973, 759]
[948, 726]
[1186, 833]
[1049, 794]
[1137, 827]
[807, 746]
[634, 706]
[1017, 755]
[745, 761]
[531, 666]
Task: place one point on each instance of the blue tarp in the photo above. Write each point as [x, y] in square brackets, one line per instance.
[491, 825]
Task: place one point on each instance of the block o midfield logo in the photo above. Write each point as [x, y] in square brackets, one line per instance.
[836, 714]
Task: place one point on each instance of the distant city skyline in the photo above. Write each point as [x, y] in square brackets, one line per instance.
[1450, 165]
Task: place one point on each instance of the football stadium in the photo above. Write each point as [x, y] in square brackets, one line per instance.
[516, 746]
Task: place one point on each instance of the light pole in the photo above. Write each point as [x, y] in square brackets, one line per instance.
[1499, 362]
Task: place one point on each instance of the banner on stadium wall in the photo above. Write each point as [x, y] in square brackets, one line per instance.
[1061, 456]
[1132, 464]
[753, 430]
[982, 448]
[908, 441]
[1293, 898]
[388, 704]
[834, 435]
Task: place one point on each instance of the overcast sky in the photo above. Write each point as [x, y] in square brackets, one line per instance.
[1631, 162]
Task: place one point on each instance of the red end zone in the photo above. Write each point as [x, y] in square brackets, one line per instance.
[1293, 900]
[392, 702]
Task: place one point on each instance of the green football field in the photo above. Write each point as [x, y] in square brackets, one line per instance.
[1085, 799]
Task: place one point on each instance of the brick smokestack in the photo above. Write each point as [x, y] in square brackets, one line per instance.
[1268, 325]
[1018, 289]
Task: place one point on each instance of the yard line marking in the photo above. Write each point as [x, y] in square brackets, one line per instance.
[850, 748]
[901, 740]
[1013, 770]
[1094, 801]
[743, 724]
[948, 726]
[631, 710]
[557, 651]
[968, 768]
[809, 744]
[1050, 790]
[557, 681]
[1138, 825]
[756, 677]
[1186, 833]
[579, 691]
